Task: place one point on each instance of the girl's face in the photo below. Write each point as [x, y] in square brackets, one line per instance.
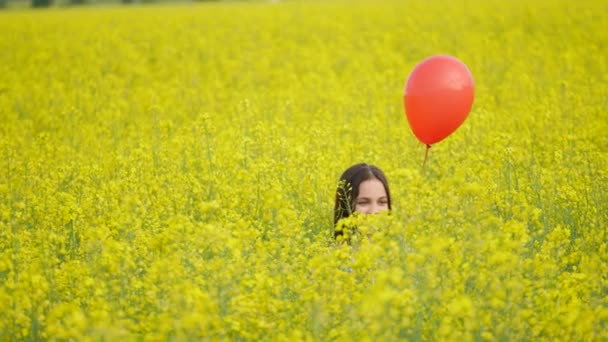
[372, 197]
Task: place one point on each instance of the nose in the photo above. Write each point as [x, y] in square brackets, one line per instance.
[374, 209]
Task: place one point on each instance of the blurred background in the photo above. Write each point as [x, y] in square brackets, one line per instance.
[13, 4]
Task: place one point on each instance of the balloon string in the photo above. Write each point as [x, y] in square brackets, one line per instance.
[426, 154]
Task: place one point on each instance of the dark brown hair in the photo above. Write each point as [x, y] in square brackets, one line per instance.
[348, 189]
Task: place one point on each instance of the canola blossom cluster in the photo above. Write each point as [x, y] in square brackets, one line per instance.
[168, 172]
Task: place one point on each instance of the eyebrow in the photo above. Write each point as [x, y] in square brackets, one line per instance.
[368, 198]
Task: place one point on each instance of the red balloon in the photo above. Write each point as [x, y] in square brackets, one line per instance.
[438, 97]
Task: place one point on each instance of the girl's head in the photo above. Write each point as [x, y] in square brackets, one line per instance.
[363, 188]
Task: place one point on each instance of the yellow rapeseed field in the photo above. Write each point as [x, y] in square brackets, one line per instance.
[167, 172]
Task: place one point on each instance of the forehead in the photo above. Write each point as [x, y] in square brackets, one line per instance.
[371, 188]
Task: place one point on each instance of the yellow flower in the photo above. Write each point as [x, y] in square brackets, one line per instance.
[174, 179]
